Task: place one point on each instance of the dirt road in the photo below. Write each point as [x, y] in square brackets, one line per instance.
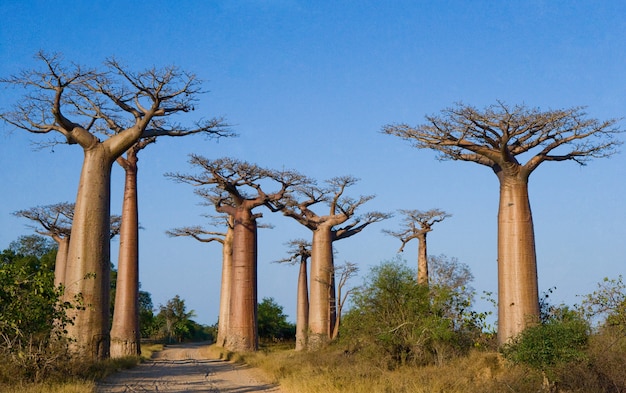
[182, 368]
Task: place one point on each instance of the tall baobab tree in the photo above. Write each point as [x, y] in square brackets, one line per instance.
[236, 191]
[226, 239]
[341, 209]
[125, 334]
[496, 137]
[79, 104]
[299, 253]
[56, 221]
[416, 225]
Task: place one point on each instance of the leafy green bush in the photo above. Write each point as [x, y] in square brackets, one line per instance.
[272, 322]
[560, 339]
[32, 316]
[406, 322]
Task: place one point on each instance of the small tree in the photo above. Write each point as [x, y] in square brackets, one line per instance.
[300, 252]
[32, 315]
[175, 320]
[560, 339]
[273, 325]
[416, 225]
[402, 322]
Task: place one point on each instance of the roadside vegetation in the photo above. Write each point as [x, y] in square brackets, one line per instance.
[434, 342]
[396, 336]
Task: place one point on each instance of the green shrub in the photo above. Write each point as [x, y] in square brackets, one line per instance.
[562, 338]
[405, 322]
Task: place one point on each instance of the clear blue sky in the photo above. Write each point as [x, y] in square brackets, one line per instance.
[308, 86]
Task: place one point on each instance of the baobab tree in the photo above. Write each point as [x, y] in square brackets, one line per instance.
[56, 221]
[341, 209]
[225, 238]
[236, 190]
[123, 107]
[125, 334]
[299, 253]
[497, 137]
[416, 225]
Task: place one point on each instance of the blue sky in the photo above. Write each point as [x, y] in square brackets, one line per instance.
[308, 86]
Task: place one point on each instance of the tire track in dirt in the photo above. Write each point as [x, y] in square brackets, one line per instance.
[182, 368]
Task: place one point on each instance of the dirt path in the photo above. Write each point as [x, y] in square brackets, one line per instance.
[181, 368]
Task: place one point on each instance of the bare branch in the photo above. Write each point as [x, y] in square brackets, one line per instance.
[498, 134]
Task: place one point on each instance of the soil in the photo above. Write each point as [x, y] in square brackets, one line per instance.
[182, 368]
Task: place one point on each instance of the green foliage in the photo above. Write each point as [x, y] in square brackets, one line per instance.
[607, 303]
[561, 338]
[406, 322]
[147, 320]
[29, 303]
[32, 316]
[272, 322]
[174, 321]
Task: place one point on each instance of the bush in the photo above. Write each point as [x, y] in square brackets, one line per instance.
[406, 322]
[32, 317]
[272, 322]
[561, 339]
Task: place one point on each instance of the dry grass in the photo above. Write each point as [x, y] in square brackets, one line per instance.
[67, 387]
[83, 375]
[148, 350]
[332, 371]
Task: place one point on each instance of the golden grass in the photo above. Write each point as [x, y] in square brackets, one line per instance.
[331, 371]
[148, 350]
[90, 372]
[66, 387]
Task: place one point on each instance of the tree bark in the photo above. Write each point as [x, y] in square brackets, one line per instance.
[422, 260]
[321, 279]
[88, 261]
[125, 334]
[518, 298]
[302, 309]
[226, 286]
[242, 329]
[60, 263]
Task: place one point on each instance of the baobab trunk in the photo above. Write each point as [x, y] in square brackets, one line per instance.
[125, 335]
[422, 261]
[88, 269]
[518, 298]
[225, 288]
[242, 324]
[60, 263]
[321, 280]
[302, 309]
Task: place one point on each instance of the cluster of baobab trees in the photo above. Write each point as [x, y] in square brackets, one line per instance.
[236, 188]
[114, 111]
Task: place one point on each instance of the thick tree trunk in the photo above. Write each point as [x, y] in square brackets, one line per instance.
[242, 329]
[125, 334]
[302, 309]
[321, 280]
[225, 289]
[422, 260]
[60, 263]
[88, 261]
[518, 299]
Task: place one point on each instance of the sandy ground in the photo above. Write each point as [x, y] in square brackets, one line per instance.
[181, 368]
